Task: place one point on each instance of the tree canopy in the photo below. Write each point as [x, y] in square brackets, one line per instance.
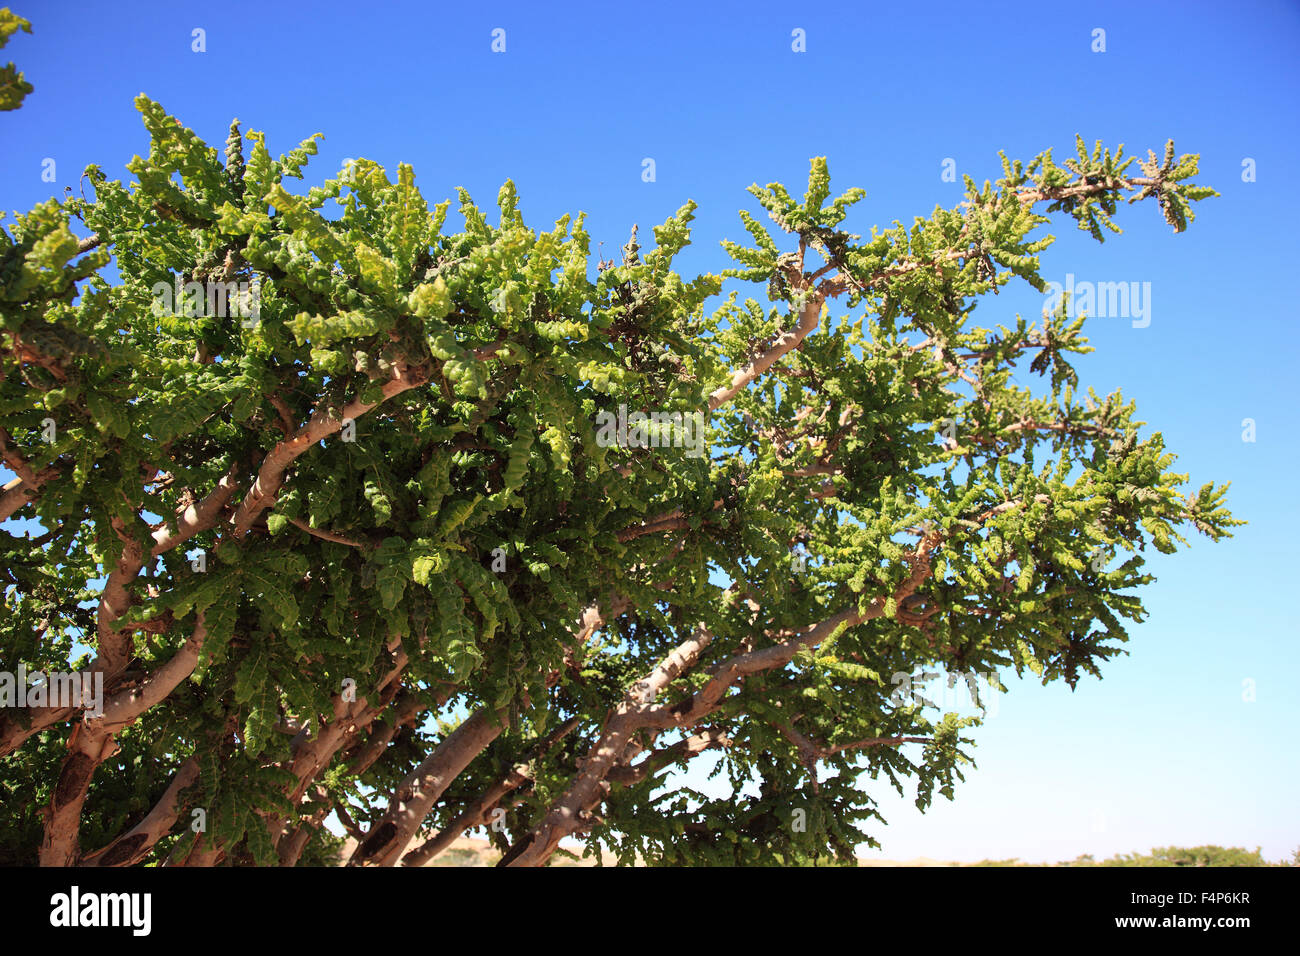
[325, 491]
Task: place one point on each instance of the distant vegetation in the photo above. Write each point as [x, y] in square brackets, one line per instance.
[480, 853]
[1184, 856]
[1173, 856]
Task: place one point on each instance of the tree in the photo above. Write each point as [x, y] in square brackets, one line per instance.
[358, 517]
[1190, 856]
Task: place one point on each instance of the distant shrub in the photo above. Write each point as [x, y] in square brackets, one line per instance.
[1182, 856]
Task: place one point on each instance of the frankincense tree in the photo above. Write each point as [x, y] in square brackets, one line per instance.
[328, 498]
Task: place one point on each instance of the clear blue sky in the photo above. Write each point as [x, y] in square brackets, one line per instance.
[1164, 750]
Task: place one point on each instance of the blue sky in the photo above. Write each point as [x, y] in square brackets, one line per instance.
[1164, 750]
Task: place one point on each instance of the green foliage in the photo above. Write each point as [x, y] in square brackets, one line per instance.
[455, 527]
[13, 88]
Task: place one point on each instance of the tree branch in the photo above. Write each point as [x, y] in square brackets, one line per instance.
[479, 811]
[416, 795]
[92, 743]
[135, 844]
[323, 422]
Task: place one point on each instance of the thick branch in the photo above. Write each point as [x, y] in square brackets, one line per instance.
[17, 494]
[479, 812]
[92, 743]
[565, 815]
[134, 845]
[416, 795]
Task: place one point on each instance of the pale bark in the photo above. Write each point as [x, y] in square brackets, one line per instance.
[479, 812]
[786, 342]
[417, 794]
[564, 816]
[134, 845]
[638, 711]
[92, 743]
